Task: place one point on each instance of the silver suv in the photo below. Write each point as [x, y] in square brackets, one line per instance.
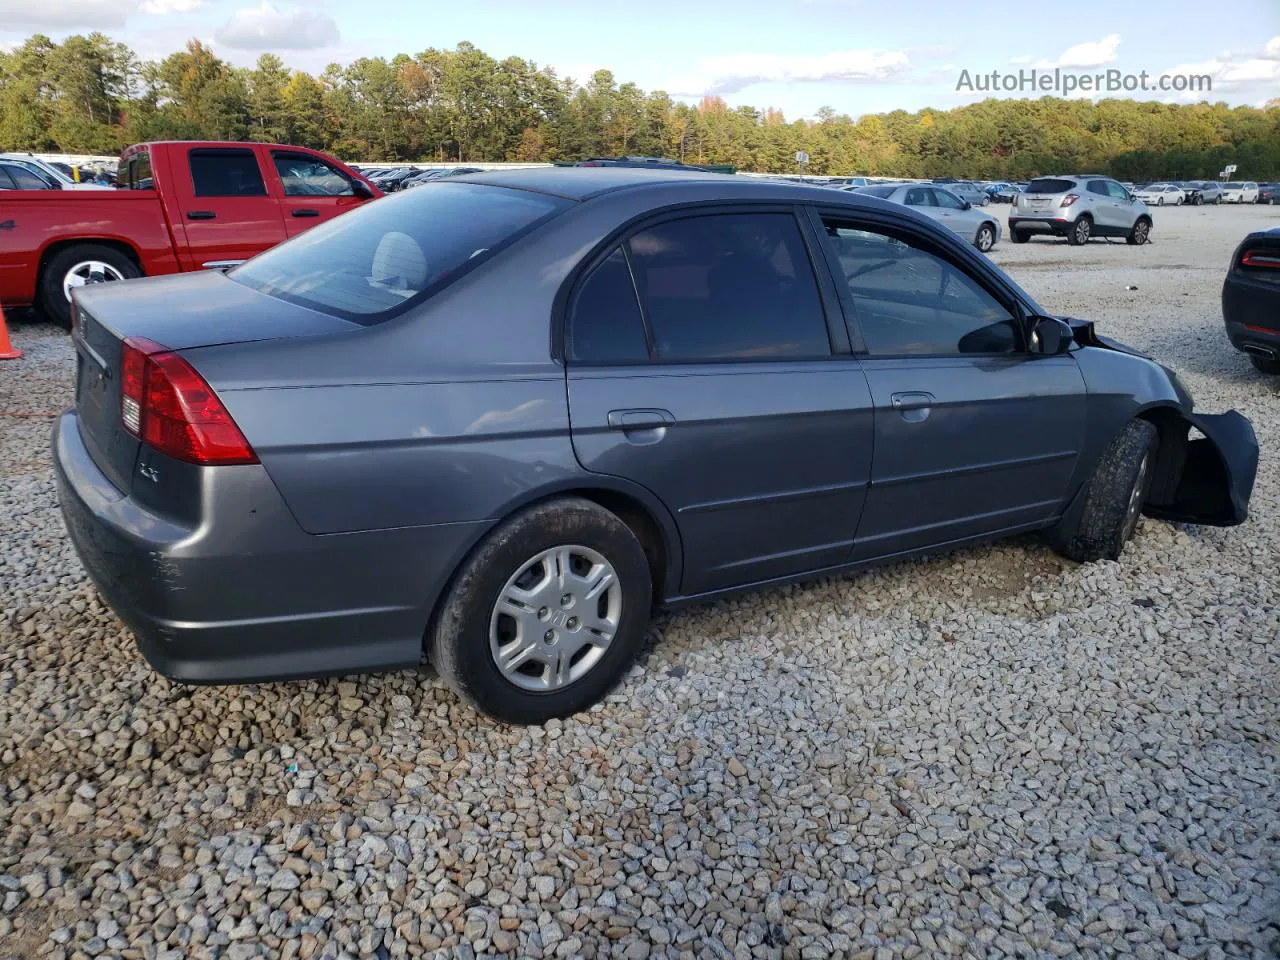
[1078, 208]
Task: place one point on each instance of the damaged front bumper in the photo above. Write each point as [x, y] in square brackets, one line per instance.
[1216, 479]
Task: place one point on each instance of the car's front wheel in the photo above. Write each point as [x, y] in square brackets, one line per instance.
[1140, 233]
[546, 614]
[1081, 232]
[986, 238]
[1112, 499]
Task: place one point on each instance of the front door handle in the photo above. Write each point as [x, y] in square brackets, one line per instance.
[8, 225]
[913, 405]
[306, 212]
[201, 215]
[640, 419]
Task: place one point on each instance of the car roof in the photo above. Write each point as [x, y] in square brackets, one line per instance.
[581, 183]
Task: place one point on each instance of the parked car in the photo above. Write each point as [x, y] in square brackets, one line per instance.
[968, 192]
[1269, 193]
[52, 176]
[1240, 191]
[1002, 192]
[597, 391]
[648, 163]
[976, 226]
[183, 206]
[1251, 299]
[1078, 207]
[1201, 191]
[18, 176]
[1160, 194]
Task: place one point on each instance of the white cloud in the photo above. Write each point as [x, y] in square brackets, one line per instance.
[162, 7]
[735, 72]
[268, 27]
[56, 15]
[1082, 56]
[1273, 47]
[1018, 61]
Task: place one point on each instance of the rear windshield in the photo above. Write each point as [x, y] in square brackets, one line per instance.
[877, 191]
[375, 262]
[1232, 186]
[1049, 185]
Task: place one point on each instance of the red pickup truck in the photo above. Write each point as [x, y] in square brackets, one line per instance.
[180, 206]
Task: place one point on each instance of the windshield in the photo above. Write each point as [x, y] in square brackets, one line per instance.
[371, 264]
[1232, 186]
[1049, 185]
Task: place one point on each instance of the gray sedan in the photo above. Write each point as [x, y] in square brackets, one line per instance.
[496, 420]
[975, 225]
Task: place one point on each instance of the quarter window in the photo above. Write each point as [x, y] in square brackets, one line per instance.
[910, 302]
[605, 325]
[226, 173]
[729, 287]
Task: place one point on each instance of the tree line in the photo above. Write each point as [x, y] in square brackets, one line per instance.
[90, 94]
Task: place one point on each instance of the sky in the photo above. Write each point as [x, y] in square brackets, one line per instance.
[856, 56]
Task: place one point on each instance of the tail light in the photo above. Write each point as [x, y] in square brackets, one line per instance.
[1069, 199]
[1264, 259]
[169, 407]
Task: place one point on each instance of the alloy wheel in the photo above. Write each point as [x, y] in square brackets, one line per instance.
[87, 272]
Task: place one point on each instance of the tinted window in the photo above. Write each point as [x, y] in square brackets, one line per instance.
[138, 172]
[1099, 187]
[6, 182]
[369, 264]
[605, 325]
[306, 176]
[25, 179]
[730, 286]
[877, 191]
[226, 173]
[911, 302]
[1049, 185]
[918, 197]
[945, 198]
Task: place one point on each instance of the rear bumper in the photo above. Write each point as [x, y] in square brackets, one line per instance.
[247, 595]
[1055, 225]
[1251, 314]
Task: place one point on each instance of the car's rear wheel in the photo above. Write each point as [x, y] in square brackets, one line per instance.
[1019, 236]
[1140, 233]
[986, 238]
[546, 614]
[1265, 364]
[78, 266]
[1080, 232]
[1113, 498]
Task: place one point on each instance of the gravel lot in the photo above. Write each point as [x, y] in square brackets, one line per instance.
[990, 753]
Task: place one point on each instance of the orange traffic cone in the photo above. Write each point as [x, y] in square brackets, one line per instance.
[7, 350]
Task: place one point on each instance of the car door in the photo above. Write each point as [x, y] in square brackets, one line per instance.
[953, 213]
[974, 436]
[226, 213]
[706, 364]
[1102, 206]
[311, 189]
[1124, 204]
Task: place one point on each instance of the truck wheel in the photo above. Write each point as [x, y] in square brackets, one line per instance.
[1113, 498]
[78, 266]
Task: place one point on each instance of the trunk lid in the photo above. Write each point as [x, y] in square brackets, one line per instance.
[180, 312]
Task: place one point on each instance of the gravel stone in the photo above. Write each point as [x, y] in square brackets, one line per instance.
[990, 753]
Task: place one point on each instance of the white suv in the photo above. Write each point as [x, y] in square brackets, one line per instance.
[1240, 192]
[1078, 208]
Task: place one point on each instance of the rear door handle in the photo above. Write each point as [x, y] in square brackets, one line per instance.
[639, 419]
[914, 406]
[7, 225]
[306, 212]
[201, 215]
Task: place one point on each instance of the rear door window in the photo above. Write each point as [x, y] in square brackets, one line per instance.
[374, 262]
[919, 197]
[6, 182]
[226, 173]
[25, 179]
[729, 287]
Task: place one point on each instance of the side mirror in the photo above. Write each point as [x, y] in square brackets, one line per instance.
[360, 189]
[967, 204]
[1049, 336]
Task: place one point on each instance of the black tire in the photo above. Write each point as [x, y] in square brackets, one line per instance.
[458, 641]
[1265, 364]
[985, 238]
[1108, 516]
[1139, 233]
[1019, 236]
[1080, 231]
[53, 300]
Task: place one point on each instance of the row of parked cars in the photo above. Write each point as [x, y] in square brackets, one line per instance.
[23, 171]
[1196, 192]
[391, 179]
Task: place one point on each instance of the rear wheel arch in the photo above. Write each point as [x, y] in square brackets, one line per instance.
[53, 301]
[123, 246]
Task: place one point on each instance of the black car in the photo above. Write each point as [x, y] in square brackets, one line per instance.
[1269, 193]
[1251, 299]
